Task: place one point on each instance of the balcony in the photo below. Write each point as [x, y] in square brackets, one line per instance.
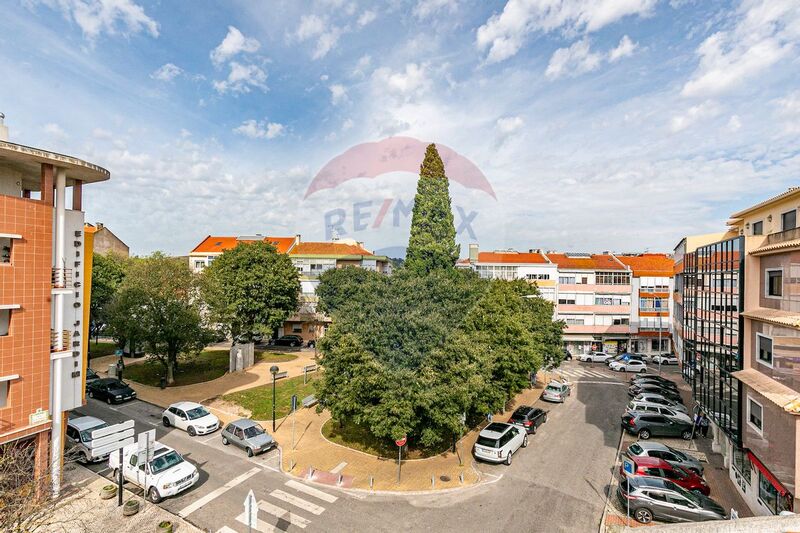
[61, 278]
[65, 341]
[783, 236]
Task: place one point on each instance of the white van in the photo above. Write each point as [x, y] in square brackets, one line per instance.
[166, 474]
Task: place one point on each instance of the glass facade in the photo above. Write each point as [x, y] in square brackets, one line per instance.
[712, 294]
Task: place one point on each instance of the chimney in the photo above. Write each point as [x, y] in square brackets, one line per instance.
[473, 252]
[3, 128]
[297, 239]
[98, 225]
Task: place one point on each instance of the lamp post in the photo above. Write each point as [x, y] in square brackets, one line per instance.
[274, 370]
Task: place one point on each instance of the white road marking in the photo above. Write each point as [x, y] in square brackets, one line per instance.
[311, 491]
[297, 502]
[338, 468]
[212, 437]
[226, 529]
[260, 524]
[192, 507]
[602, 383]
[283, 514]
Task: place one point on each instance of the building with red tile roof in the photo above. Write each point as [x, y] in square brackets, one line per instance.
[649, 264]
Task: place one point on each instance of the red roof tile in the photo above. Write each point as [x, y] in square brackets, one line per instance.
[329, 248]
[212, 244]
[593, 262]
[510, 257]
[657, 265]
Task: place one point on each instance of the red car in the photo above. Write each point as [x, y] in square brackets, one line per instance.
[652, 466]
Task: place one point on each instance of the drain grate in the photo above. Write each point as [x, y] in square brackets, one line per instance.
[444, 478]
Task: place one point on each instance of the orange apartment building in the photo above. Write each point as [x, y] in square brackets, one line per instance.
[44, 278]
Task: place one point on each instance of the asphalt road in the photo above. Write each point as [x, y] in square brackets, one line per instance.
[557, 483]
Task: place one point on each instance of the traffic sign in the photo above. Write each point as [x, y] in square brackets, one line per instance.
[146, 444]
[251, 510]
[628, 466]
[106, 440]
[734, 514]
[401, 442]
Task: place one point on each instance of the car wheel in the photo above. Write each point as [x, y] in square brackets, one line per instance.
[165, 421]
[525, 441]
[533, 429]
[191, 431]
[225, 441]
[115, 475]
[544, 419]
[642, 371]
[643, 515]
[644, 434]
[91, 394]
[508, 458]
[84, 458]
[249, 452]
[109, 400]
[153, 495]
[686, 435]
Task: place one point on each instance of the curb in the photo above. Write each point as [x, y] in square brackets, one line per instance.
[602, 527]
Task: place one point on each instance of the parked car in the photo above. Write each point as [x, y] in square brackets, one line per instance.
[556, 391]
[654, 377]
[653, 466]
[567, 355]
[191, 417]
[91, 377]
[624, 358]
[289, 340]
[498, 442]
[662, 451]
[665, 359]
[656, 382]
[646, 425]
[79, 438]
[167, 474]
[594, 357]
[652, 397]
[528, 417]
[632, 365]
[111, 390]
[652, 498]
[667, 393]
[249, 435]
[635, 405]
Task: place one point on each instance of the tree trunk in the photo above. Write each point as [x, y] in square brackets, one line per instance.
[170, 373]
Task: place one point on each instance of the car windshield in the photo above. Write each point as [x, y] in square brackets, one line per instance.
[679, 455]
[488, 442]
[253, 431]
[86, 434]
[554, 388]
[635, 449]
[163, 462]
[686, 494]
[197, 412]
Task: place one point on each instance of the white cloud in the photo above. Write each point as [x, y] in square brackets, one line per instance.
[735, 123]
[788, 109]
[167, 72]
[362, 65]
[112, 17]
[234, 43]
[509, 125]
[347, 124]
[410, 81]
[426, 8]
[505, 33]
[310, 26]
[338, 93]
[260, 130]
[625, 48]
[693, 115]
[572, 61]
[367, 17]
[55, 131]
[242, 79]
[316, 27]
[764, 32]
[101, 134]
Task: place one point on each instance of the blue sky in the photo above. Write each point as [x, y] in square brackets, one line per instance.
[601, 124]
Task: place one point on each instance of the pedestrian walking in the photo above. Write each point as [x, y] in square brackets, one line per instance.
[704, 425]
[697, 418]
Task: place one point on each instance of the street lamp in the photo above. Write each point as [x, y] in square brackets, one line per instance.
[274, 370]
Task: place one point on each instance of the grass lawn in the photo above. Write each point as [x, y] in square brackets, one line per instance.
[101, 349]
[258, 400]
[358, 438]
[206, 366]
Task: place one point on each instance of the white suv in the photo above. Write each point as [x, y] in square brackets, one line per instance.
[166, 474]
[191, 417]
[498, 442]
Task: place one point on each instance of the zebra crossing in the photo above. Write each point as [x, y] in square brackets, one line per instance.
[281, 509]
[577, 372]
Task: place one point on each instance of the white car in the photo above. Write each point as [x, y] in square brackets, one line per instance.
[594, 357]
[556, 391]
[498, 441]
[191, 417]
[674, 414]
[665, 359]
[165, 475]
[633, 365]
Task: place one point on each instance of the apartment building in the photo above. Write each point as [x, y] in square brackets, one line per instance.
[532, 266]
[45, 276]
[106, 241]
[311, 259]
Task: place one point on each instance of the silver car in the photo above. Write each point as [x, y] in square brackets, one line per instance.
[654, 397]
[79, 438]
[249, 435]
[556, 391]
[662, 451]
[498, 442]
[657, 498]
[636, 405]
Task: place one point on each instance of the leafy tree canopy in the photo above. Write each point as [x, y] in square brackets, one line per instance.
[108, 271]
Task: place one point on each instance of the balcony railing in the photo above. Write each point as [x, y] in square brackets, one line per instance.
[783, 236]
[65, 341]
[61, 278]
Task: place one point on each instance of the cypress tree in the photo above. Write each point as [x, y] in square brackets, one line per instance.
[432, 244]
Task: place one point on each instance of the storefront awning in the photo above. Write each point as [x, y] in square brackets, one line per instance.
[767, 474]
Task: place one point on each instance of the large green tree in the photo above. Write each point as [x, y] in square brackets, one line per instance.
[250, 289]
[432, 244]
[157, 304]
[108, 271]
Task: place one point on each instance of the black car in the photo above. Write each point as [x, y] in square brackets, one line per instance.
[646, 425]
[289, 340]
[567, 355]
[669, 394]
[111, 390]
[651, 377]
[528, 417]
[91, 377]
[662, 384]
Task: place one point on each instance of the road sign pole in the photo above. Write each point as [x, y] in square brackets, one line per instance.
[399, 451]
[119, 480]
[628, 501]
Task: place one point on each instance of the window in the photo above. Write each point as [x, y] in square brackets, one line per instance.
[575, 321]
[567, 279]
[5, 249]
[774, 283]
[764, 349]
[613, 278]
[4, 386]
[758, 228]
[567, 300]
[584, 280]
[297, 328]
[621, 321]
[199, 264]
[789, 220]
[742, 464]
[5, 322]
[537, 276]
[767, 493]
[755, 414]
